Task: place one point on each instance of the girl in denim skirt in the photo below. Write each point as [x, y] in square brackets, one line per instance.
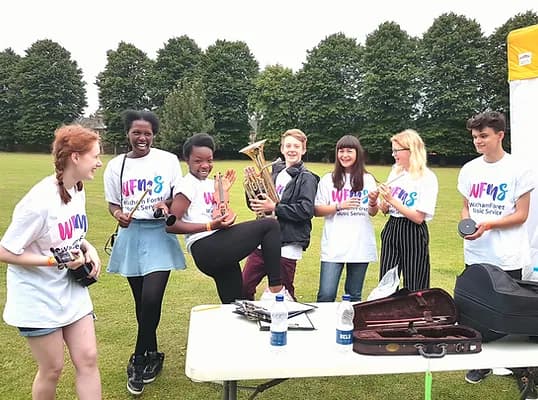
[136, 183]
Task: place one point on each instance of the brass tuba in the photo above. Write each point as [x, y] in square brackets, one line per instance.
[261, 183]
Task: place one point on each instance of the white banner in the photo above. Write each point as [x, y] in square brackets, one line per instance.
[524, 136]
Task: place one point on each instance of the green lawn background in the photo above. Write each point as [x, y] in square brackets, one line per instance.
[114, 307]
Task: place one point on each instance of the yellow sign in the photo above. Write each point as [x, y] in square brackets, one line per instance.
[523, 53]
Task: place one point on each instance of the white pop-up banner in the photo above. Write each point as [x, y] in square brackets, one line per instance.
[523, 77]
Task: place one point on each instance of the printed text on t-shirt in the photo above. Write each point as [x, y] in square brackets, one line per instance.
[483, 189]
[131, 186]
[77, 221]
[407, 198]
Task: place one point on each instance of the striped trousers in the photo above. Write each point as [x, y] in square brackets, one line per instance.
[406, 244]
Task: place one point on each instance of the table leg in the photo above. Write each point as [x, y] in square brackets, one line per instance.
[229, 390]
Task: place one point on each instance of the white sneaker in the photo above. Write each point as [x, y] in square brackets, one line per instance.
[267, 295]
[501, 371]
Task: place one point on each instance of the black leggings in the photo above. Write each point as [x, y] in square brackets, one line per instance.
[218, 255]
[148, 293]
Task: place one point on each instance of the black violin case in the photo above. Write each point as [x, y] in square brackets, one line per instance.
[495, 304]
[420, 322]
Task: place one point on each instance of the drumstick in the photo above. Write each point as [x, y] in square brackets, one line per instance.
[138, 203]
[388, 183]
[134, 209]
[392, 180]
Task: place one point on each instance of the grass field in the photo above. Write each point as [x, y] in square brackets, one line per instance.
[115, 309]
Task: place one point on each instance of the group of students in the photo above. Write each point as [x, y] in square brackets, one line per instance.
[49, 309]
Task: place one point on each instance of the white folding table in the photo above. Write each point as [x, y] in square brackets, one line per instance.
[224, 346]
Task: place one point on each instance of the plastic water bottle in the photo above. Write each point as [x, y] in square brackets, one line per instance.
[344, 325]
[279, 324]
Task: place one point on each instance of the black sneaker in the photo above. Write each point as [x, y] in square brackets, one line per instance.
[130, 366]
[476, 375]
[135, 383]
[154, 365]
[527, 386]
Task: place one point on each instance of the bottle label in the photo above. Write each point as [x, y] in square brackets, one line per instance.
[279, 338]
[344, 337]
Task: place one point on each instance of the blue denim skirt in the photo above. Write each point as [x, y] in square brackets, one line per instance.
[144, 247]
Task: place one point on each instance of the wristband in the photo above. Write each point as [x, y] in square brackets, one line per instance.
[208, 227]
[51, 261]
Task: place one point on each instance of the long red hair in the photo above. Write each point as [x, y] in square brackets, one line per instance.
[70, 139]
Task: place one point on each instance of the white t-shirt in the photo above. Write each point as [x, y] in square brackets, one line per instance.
[200, 194]
[291, 251]
[45, 297]
[159, 171]
[417, 194]
[492, 190]
[348, 235]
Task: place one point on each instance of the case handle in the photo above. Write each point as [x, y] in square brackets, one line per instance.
[421, 350]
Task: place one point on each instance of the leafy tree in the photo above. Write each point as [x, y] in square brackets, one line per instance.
[328, 88]
[124, 84]
[178, 59]
[389, 92]
[50, 92]
[8, 109]
[272, 104]
[452, 54]
[229, 70]
[182, 115]
[496, 86]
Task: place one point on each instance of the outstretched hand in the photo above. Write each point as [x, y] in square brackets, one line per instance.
[228, 179]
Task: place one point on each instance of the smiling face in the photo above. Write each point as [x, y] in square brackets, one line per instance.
[200, 162]
[347, 158]
[488, 142]
[140, 137]
[292, 149]
[87, 163]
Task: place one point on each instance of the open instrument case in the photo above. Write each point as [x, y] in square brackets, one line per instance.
[421, 322]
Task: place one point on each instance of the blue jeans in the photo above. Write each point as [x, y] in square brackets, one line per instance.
[329, 278]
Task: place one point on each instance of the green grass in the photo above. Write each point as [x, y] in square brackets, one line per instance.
[115, 312]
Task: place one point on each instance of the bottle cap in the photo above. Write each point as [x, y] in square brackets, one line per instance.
[466, 227]
[279, 297]
[535, 269]
[346, 297]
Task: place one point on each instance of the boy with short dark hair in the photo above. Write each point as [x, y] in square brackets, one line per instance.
[496, 195]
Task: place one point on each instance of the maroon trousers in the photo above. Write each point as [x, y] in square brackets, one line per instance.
[254, 271]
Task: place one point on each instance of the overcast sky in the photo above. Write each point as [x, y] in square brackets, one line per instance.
[276, 31]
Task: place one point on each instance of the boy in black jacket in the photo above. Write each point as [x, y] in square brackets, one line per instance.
[296, 187]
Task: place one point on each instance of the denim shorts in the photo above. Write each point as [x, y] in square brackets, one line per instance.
[33, 332]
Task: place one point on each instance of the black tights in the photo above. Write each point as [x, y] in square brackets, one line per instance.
[218, 255]
[148, 293]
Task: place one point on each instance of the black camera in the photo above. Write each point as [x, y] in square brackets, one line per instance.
[80, 275]
[170, 218]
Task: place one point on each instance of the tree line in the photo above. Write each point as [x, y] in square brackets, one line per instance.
[393, 81]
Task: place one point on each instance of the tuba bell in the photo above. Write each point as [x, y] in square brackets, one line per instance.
[260, 183]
